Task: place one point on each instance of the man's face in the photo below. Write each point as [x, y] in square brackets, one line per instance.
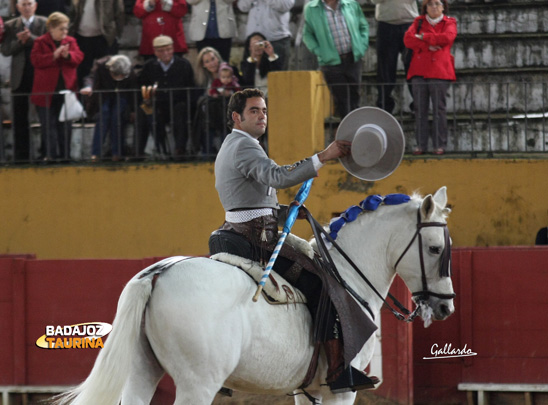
[164, 53]
[26, 8]
[253, 119]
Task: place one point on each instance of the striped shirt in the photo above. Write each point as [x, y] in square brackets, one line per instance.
[339, 30]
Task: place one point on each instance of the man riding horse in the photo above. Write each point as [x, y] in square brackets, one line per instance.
[246, 180]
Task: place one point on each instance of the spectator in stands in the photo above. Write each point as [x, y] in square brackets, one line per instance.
[110, 101]
[337, 32]
[213, 24]
[393, 17]
[55, 57]
[431, 71]
[226, 84]
[171, 103]
[271, 18]
[210, 118]
[208, 62]
[219, 93]
[46, 7]
[161, 17]
[259, 59]
[95, 25]
[18, 40]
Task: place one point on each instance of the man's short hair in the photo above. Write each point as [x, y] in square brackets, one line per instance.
[119, 65]
[238, 101]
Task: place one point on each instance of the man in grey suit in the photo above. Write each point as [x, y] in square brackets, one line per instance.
[245, 177]
[246, 180]
[19, 36]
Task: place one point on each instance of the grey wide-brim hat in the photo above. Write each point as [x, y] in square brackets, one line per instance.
[377, 140]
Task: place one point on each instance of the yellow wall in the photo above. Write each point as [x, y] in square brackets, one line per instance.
[137, 211]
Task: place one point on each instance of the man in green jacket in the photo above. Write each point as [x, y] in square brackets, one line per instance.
[337, 32]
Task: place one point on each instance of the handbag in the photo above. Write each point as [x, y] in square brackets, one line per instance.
[408, 53]
[72, 109]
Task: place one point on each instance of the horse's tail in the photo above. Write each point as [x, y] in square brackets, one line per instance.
[106, 381]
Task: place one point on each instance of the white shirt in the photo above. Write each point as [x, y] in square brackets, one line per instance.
[89, 24]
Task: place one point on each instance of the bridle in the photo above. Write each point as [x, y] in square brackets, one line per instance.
[423, 295]
[445, 260]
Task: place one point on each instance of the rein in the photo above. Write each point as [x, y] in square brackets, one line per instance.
[321, 236]
[329, 265]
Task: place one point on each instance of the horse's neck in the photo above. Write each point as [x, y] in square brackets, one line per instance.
[366, 242]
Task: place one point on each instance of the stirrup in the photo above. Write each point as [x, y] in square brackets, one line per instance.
[227, 392]
[352, 380]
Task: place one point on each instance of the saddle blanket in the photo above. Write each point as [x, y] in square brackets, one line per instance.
[275, 292]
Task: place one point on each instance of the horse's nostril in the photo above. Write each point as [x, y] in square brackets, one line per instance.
[444, 310]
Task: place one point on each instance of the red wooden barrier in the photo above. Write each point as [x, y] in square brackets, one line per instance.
[397, 343]
[500, 314]
[37, 293]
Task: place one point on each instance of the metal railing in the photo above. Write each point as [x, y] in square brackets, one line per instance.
[485, 117]
[183, 124]
[179, 124]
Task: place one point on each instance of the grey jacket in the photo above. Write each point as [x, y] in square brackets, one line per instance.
[245, 177]
[110, 13]
[12, 47]
[226, 21]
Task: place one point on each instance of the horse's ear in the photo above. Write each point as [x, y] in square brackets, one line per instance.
[427, 207]
[440, 197]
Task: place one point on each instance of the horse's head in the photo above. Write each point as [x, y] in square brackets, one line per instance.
[424, 264]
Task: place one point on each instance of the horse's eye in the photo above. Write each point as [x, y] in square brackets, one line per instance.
[435, 250]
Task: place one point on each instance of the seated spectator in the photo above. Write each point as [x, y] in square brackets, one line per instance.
[170, 103]
[18, 40]
[226, 84]
[259, 59]
[212, 23]
[55, 57]
[161, 17]
[220, 92]
[208, 62]
[210, 118]
[110, 101]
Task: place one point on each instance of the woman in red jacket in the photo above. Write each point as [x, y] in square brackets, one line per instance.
[161, 17]
[432, 69]
[55, 57]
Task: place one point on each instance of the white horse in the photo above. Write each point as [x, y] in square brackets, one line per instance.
[196, 321]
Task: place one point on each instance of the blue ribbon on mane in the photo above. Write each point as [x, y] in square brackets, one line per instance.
[371, 203]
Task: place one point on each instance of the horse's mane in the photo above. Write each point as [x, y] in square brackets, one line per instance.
[355, 211]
